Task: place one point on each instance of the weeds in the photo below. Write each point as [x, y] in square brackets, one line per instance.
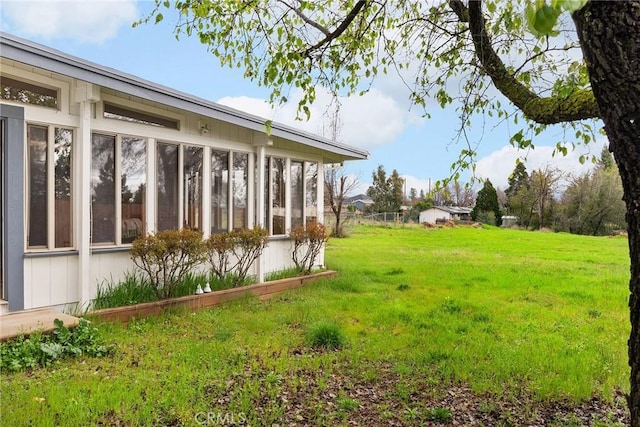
[326, 336]
[41, 349]
[439, 415]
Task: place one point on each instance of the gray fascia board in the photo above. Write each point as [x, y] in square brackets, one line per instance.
[40, 56]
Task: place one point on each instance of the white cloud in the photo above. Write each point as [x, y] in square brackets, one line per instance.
[91, 21]
[498, 165]
[368, 121]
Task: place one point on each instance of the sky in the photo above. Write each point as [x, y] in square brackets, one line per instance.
[382, 121]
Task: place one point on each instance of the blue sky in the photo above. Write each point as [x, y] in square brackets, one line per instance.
[382, 122]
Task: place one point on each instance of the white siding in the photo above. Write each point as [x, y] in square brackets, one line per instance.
[50, 281]
[431, 215]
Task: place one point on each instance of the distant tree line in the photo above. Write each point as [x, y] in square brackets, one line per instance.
[590, 203]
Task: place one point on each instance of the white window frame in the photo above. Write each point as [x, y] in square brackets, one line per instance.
[51, 220]
[118, 188]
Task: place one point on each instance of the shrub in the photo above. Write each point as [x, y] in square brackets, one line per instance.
[242, 246]
[307, 243]
[168, 256]
[41, 350]
[327, 336]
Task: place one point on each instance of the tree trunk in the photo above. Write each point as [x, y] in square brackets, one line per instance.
[609, 33]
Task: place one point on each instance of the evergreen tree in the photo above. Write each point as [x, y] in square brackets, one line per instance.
[385, 191]
[606, 161]
[518, 179]
[487, 204]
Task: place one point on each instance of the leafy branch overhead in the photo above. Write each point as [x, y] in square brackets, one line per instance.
[342, 46]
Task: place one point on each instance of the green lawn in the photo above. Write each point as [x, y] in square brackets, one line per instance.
[508, 326]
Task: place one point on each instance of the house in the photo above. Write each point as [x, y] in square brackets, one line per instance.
[93, 158]
[360, 202]
[445, 213]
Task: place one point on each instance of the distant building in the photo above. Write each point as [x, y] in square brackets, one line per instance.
[361, 202]
[509, 220]
[445, 213]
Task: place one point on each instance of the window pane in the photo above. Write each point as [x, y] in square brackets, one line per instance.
[62, 177]
[278, 185]
[267, 195]
[167, 187]
[133, 187]
[311, 187]
[103, 189]
[15, 90]
[219, 191]
[297, 195]
[192, 169]
[240, 182]
[37, 233]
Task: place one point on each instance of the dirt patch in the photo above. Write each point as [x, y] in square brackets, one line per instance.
[378, 396]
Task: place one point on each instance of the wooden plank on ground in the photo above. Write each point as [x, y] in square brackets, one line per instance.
[29, 321]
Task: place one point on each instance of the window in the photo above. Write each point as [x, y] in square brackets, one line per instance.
[38, 224]
[133, 187]
[62, 188]
[15, 90]
[49, 180]
[229, 192]
[297, 194]
[311, 192]
[219, 191]
[278, 195]
[171, 186]
[192, 170]
[240, 187]
[121, 113]
[167, 174]
[117, 205]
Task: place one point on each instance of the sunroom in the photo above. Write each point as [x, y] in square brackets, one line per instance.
[93, 158]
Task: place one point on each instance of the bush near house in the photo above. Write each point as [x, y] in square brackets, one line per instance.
[167, 260]
[166, 257]
[232, 254]
[307, 244]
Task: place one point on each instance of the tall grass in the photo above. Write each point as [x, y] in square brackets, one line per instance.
[135, 289]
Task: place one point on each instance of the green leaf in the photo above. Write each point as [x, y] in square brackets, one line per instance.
[159, 17]
[571, 5]
[267, 127]
[545, 19]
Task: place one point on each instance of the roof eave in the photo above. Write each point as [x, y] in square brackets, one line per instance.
[37, 55]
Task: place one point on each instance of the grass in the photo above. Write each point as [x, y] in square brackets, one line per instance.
[136, 289]
[530, 318]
